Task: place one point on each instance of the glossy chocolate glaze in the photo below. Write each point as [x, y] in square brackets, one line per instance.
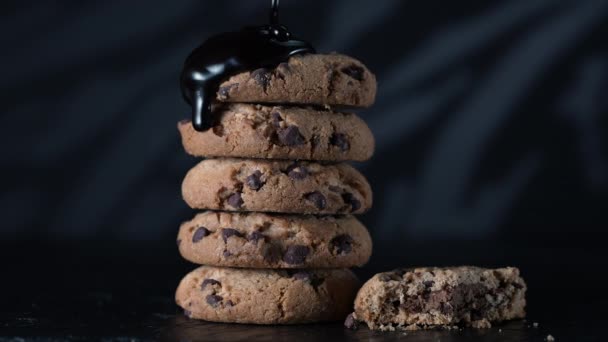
[230, 53]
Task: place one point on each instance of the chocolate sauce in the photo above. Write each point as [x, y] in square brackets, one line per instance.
[230, 53]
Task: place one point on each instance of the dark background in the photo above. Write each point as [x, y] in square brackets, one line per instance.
[491, 147]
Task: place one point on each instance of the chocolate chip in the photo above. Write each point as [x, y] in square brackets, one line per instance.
[213, 300]
[348, 198]
[341, 244]
[228, 232]
[428, 283]
[254, 181]
[226, 254]
[256, 236]
[199, 234]
[401, 272]
[385, 277]
[276, 119]
[179, 242]
[340, 140]
[351, 322]
[235, 200]
[317, 199]
[308, 277]
[218, 130]
[301, 275]
[296, 254]
[225, 90]
[262, 77]
[354, 71]
[296, 171]
[290, 136]
[272, 254]
[211, 282]
[187, 313]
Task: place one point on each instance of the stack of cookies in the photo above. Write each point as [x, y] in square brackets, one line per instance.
[278, 235]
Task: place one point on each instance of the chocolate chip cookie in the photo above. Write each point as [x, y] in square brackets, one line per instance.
[279, 132]
[330, 79]
[258, 240]
[238, 295]
[429, 297]
[276, 186]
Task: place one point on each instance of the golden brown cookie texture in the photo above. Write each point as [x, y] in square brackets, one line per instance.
[278, 230]
[276, 186]
[319, 79]
[279, 132]
[435, 297]
[264, 296]
[259, 240]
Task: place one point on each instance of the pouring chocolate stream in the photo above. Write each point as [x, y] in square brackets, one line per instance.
[230, 53]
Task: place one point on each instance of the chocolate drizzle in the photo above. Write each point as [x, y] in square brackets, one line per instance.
[230, 53]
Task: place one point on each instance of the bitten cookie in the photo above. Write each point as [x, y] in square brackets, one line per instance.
[276, 132]
[331, 79]
[276, 186]
[430, 297]
[257, 240]
[238, 295]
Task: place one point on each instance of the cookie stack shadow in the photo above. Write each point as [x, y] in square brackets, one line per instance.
[278, 233]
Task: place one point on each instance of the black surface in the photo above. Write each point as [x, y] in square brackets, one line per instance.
[74, 292]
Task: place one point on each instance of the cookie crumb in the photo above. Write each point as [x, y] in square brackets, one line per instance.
[351, 322]
[499, 330]
[549, 338]
[535, 324]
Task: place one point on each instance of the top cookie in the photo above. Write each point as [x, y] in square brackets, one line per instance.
[325, 80]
